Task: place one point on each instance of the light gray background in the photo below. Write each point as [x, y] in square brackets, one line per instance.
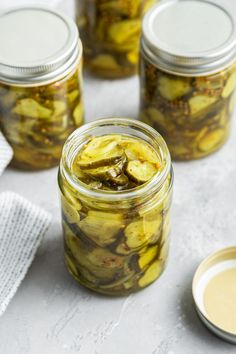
[51, 314]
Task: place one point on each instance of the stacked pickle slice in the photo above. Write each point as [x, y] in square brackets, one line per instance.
[37, 120]
[110, 32]
[115, 250]
[192, 114]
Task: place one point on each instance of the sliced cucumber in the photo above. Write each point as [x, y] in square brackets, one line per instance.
[100, 151]
[141, 172]
[101, 227]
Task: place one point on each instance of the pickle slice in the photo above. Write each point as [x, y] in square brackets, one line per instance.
[102, 227]
[211, 140]
[73, 201]
[230, 86]
[31, 108]
[172, 89]
[135, 235]
[147, 257]
[106, 172]
[103, 258]
[99, 262]
[78, 114]
[138, 150]
[152, 273]
[152, 226]
[73, 95]
[123, 31]
[59, 108]
[100, 151]
[104, 62]
[121, 180]
[71, 214]
[200, 103]
[141, 172]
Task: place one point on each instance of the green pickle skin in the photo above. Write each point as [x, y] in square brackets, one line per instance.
[113, 249]
[37, 120]
[193, 114]
[110, 31]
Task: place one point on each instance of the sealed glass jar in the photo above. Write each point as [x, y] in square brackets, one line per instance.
[116, 181]
[110, 32]
[40, 84]
[188, 75]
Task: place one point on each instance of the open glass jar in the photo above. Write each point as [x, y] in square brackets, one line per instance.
[110, 32]
[116, 242]
[188, 75]
[40, 84]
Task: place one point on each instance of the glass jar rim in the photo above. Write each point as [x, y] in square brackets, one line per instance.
[144, 190]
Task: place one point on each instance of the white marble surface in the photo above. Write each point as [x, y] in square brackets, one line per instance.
[51, 314]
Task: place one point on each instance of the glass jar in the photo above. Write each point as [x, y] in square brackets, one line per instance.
[40, 84]
[188, 76]
[110, 32]
[124, 246]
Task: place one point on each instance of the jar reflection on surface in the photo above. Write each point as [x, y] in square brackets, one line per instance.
[110, 32]
[116, 243]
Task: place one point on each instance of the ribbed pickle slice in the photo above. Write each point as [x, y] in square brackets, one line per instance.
[135, 150]
[141, 172]
[102, 227]
[99, 152]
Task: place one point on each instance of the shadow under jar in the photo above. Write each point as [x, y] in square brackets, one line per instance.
[188, 75]
[116, 182]
[41, 100]
[110, 32]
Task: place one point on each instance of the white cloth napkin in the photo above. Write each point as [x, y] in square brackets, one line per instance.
[6, 153]
[22, 226]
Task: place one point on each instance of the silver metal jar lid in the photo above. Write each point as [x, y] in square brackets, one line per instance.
[190, 37]
[37, 45]
[214, 293]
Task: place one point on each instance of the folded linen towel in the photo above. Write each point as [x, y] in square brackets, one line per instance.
[22, 226]
[6, 153]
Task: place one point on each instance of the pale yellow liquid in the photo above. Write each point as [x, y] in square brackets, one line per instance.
[220, 300]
